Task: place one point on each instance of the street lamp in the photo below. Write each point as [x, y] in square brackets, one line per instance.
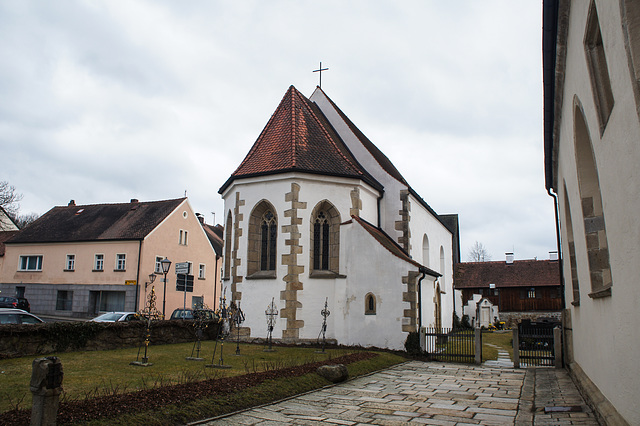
[152, 278]
[166, 264]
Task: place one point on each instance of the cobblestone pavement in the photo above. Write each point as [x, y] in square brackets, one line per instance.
[433, 394]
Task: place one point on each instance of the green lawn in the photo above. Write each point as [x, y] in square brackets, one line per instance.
[106, 372]
[502, 338]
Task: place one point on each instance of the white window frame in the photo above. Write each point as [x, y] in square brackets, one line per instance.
[183, 237]
[158, 265]
[99, 267]
[121, 263]
[201, 271]
[23, 264]
[70, 263]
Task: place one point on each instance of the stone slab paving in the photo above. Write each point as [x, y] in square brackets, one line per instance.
[431, 394]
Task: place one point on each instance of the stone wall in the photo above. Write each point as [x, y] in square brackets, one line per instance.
[57, 337]
[513, 318]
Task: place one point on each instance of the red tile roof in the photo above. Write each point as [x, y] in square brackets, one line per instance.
[520, 273]
[214, 233]
[387, 242]
[97, 222]
[298, 138]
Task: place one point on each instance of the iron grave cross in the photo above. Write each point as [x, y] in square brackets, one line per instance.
[319, 70]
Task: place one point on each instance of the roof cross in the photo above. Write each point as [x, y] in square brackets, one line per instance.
[320, 71]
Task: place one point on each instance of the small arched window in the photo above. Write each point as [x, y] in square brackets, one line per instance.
[321, 242]
[227, 245]
[262, 242]
[325, 240]
[369, 304]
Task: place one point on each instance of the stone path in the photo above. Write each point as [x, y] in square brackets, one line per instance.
[504, 360]
[431, 393]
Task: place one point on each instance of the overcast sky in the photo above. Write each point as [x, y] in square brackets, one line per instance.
[104, 101]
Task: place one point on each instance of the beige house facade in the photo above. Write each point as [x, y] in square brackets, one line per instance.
[78, 261]
[592, 157]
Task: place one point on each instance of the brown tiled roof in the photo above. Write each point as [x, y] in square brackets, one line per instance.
[97, 222]
[214, 233]
[4, 236]
[520, 273]
[298, 138]
[387, 242]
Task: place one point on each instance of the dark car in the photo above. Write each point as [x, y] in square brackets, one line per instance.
[189, 314]
[15, 303]
[17, 316]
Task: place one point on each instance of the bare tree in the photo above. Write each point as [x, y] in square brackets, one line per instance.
[9, 198]
[23, 220]
[478, 253]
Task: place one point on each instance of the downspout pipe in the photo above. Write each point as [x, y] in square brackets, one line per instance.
[424, 274]
[560, 266]
[135, 308]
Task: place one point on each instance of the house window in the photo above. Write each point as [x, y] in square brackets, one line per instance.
[201, 271]
[263, 234]
[121, 262]
[158, 269]
[70, 265]
[64, 300]
[99, 262]
[531, 294]
[183, 237]
[597, 63]
[31, 263]
[325, 239]
[369, 304]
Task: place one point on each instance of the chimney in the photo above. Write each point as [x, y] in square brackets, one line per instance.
[134, 200]
[553, 255]
[200, 217]
[72, 203]
[509, 258]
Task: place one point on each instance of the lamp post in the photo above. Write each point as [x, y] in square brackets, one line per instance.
[166, 264]
[152, 278]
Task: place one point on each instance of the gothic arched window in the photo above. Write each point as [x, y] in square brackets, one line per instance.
[325, 240]
[321, 242]
[369, 304]
[268, 236]
[262, 244]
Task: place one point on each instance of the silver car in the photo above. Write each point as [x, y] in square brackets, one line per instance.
[17, 316]
[116, 317]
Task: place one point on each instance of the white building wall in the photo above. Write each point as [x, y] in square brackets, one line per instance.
[313, 190]
[605, 334]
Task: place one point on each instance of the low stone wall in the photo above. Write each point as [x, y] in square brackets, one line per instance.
[513, 318]
[57, 337]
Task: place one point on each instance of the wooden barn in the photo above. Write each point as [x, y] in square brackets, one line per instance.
[520, 289]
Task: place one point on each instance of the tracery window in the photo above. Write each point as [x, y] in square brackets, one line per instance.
[321, 242]
[268, 237]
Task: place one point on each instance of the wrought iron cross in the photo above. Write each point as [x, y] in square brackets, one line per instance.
[319, 70]
[323, 331]
[271, 313]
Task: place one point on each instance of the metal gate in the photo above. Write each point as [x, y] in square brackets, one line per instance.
[450, 345]
[536, 344]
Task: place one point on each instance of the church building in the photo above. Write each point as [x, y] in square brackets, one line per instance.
[316, 214]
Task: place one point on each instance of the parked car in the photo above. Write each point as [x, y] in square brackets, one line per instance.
[189, 314]
[15, 302]
[17, 316]
[117, 317]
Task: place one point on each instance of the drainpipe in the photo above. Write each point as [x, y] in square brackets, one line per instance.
[135, 308]
[379, 218]
[424, 273]
[560, 269]
[215, 282]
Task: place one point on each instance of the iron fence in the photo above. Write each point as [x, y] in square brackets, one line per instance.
[536, 346]
[450, 345]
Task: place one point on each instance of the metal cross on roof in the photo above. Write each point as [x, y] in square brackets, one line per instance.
[319, 70]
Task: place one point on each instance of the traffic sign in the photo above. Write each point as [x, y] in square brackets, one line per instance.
[182, 267]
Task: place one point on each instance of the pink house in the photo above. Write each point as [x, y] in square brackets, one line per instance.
[78, 261]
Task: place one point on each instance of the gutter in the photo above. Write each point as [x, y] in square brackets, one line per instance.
[424, 274]
[559, 246]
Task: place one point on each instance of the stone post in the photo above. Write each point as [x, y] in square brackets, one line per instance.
[516, 348]
[478, 345]
[46, 386]
[557, 347]
[423, 339]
